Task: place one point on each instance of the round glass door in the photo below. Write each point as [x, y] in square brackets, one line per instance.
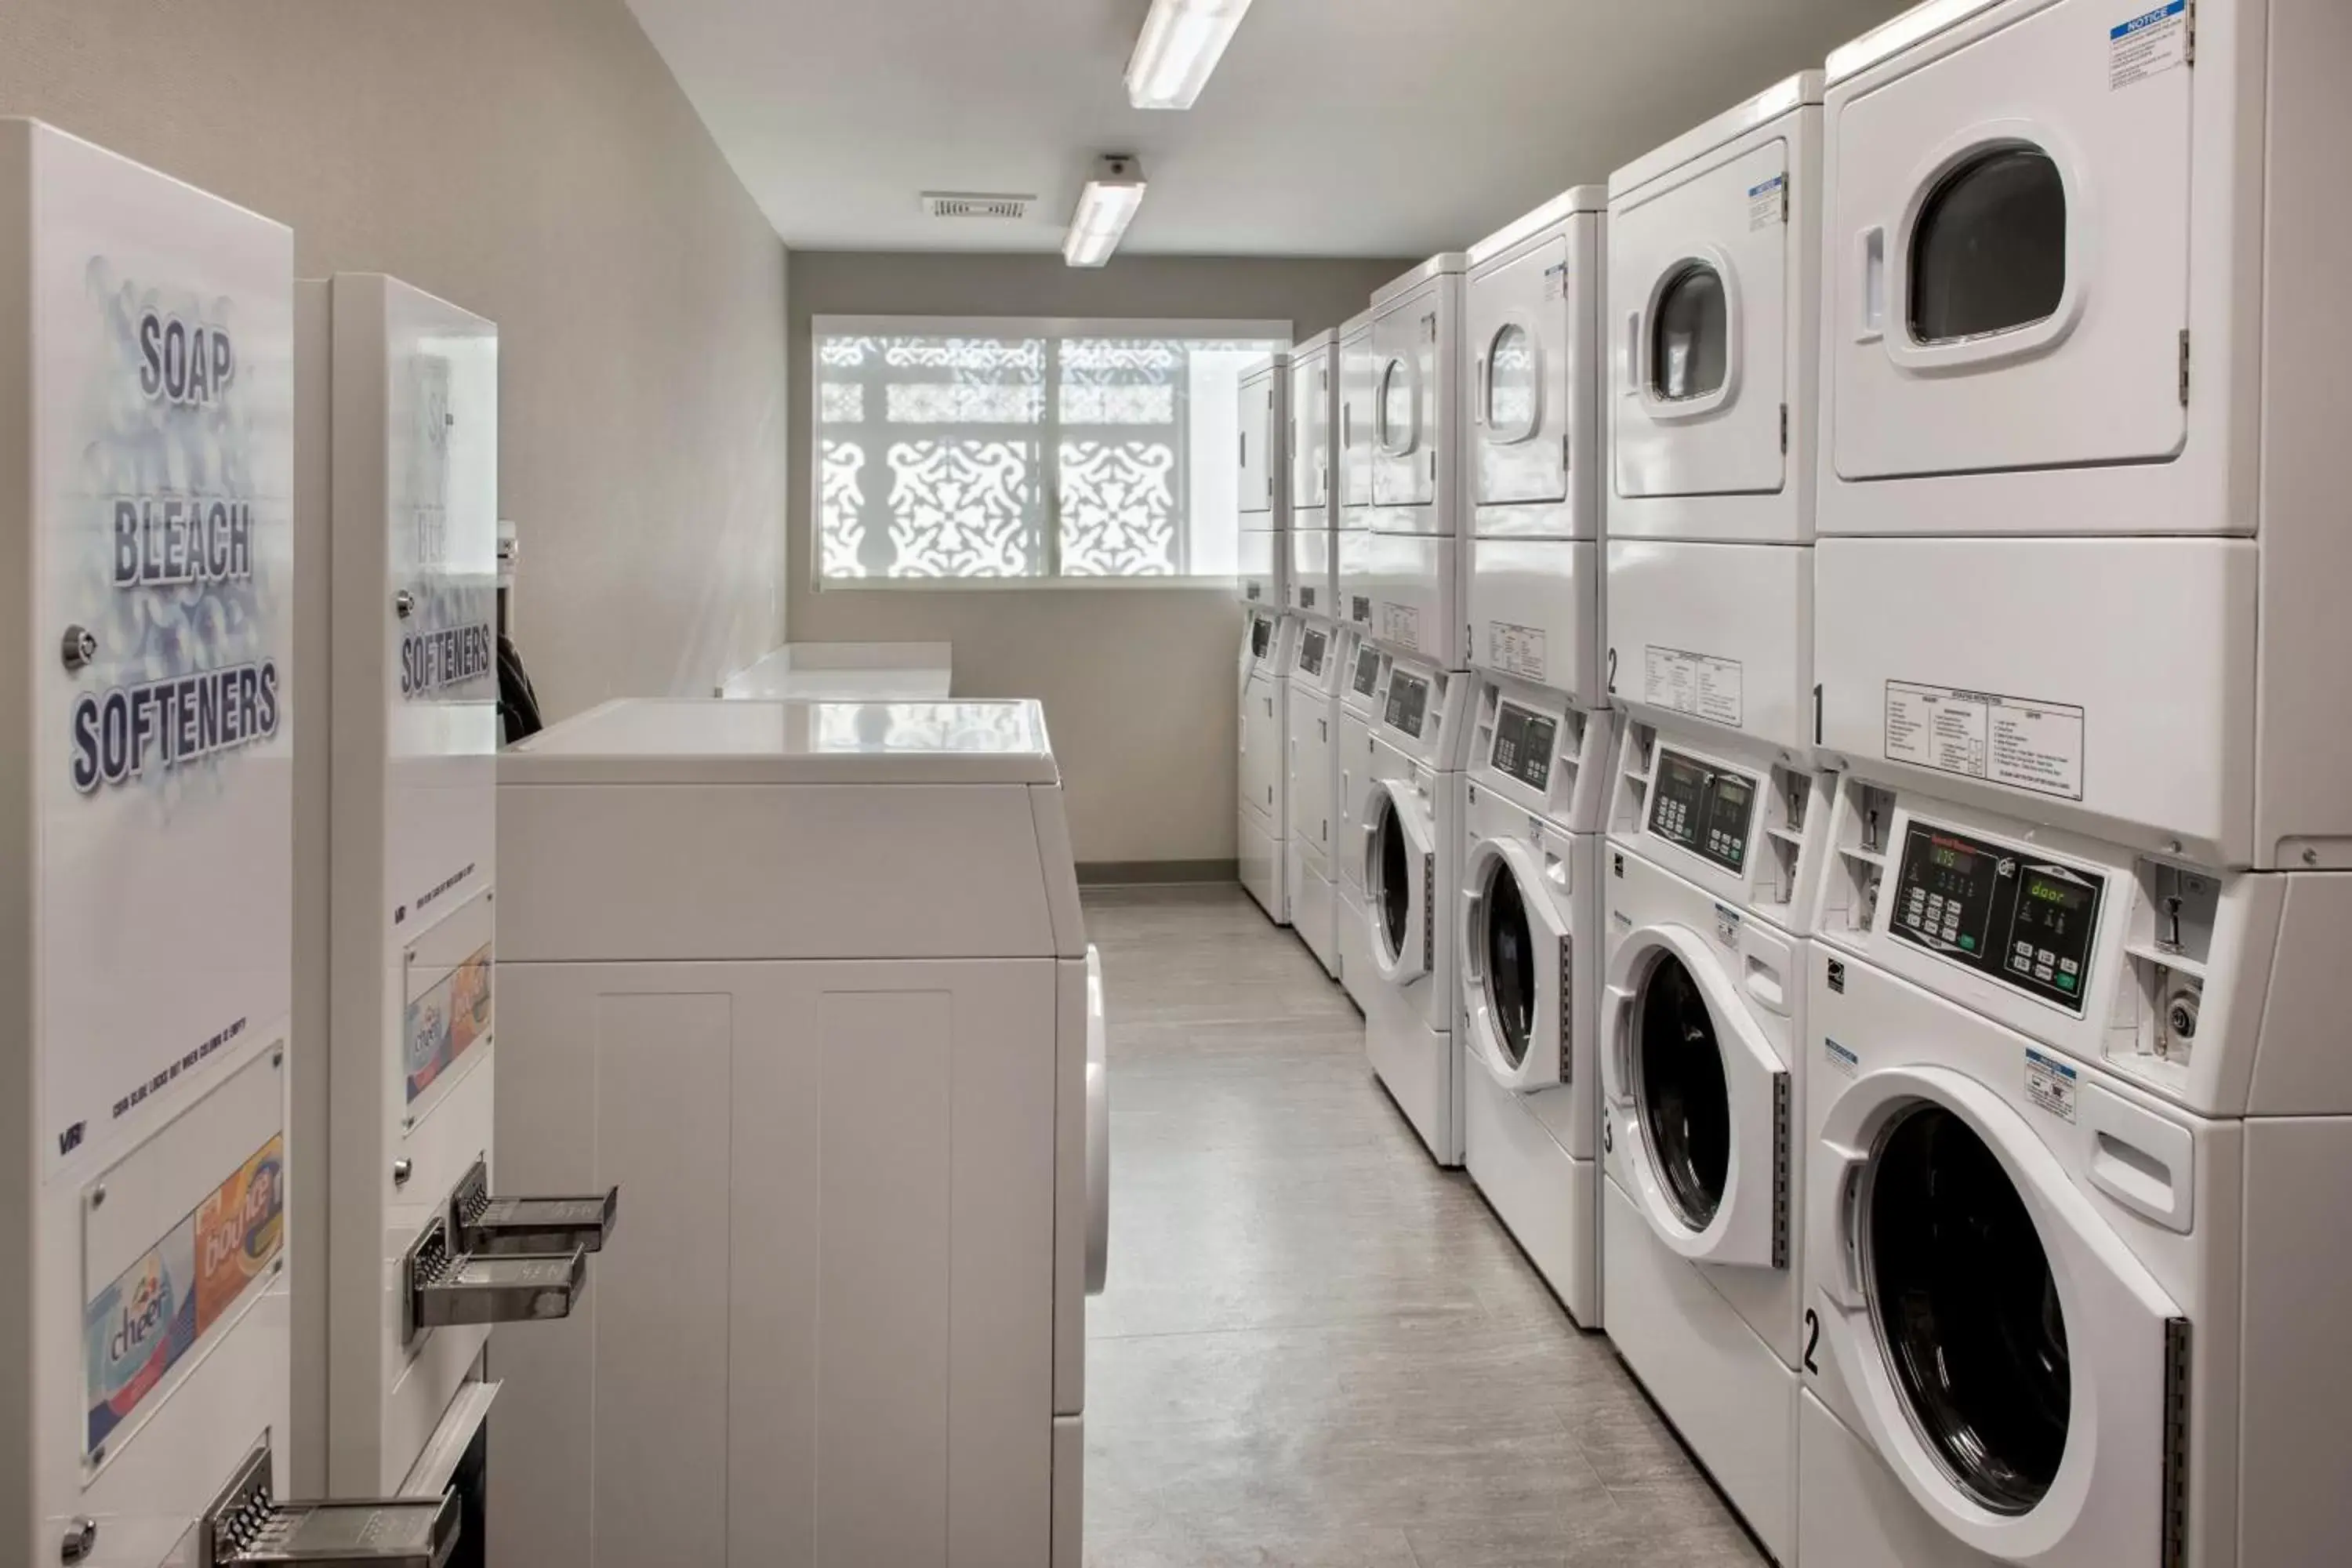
[1988, 250]
[1680, 1092]
[1967, 1309]
[1510, 965]
[1397, 414]
[1690, 347]
[1514, 392]
[1394, 863]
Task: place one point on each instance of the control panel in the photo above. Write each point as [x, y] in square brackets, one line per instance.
[2025, 921]
[1368, 672]
[1408, 703]
[1261, 637]
[1524, 746]
[1311, 649]
[1703, 808]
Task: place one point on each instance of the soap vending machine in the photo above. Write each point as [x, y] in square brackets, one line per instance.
[412, 1254]
[148, 1169]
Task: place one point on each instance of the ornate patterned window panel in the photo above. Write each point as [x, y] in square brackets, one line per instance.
[1028, 450]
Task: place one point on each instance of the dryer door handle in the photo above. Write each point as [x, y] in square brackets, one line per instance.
[1870, 284]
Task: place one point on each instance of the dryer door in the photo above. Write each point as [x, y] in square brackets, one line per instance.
[1518, 958]
[1702, 1101]
[2009, 249]
[1522, 346]
[1400, 877]
[1698, 285]
[1405, 404]
[2010, 1357]
[1311, 432]
[1258, 440]
[1358, 386]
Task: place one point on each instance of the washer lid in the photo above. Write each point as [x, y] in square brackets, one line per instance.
[677, 741]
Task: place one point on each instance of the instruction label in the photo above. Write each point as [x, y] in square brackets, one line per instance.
[1515, 650]
[1556, 281]
[1768, 203]
[1726, 926]
[1401, 623]
[1698, 684]
[2050, 1084]
[1841, 1059]
[2148, 45]
[2012, 741]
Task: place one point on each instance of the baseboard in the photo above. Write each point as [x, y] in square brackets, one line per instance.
[1155, 873]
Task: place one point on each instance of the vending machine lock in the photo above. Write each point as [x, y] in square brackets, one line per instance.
[247, 1528]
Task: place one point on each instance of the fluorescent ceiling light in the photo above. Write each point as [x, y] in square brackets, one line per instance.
[1105, 209]
[1182, 43]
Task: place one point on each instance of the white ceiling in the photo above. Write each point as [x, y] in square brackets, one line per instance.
[1333, 127]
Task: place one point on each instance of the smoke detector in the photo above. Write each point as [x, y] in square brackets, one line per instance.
[969, 204]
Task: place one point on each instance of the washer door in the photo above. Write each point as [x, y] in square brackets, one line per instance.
[1515, 968]
[1702, 1102]
[1400, 871]
[2009, 1355]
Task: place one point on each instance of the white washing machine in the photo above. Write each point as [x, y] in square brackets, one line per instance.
[1533, 304]
[1314, 465]
[1407, 559]
[1713, 268]
[1530, 975]
[1353, 478]
[1363, 686]
[1413, 896]
[2076, 351]
[1268, 638]
[1311, 790]
[1262, 484]
[2075, 1118]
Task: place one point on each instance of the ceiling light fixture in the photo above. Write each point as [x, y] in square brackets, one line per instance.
[1183, 41]
[1105, 209]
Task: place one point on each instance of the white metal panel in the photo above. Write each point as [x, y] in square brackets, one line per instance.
[1715, 636]
[1260, 454]
[2099, 380]
[1314, 378]
[1535, 613]
[1359, 383]
[1264, 746]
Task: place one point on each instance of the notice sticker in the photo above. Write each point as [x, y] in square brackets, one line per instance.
[2148, 45]
[1515, 650]
[1556, 281]
[1698, 684]
[2014, 740]
[1401, 623]
[1726, 926]
[2050, 1084]
[1840, 1059]
[1768, 203]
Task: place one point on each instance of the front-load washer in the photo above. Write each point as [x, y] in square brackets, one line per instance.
[2081, 494]
[1530, 975]
[1412, 897]
[1711, 863]
[1311, 789]
[1267, 639]
[1363, 686]
[1314, 462]
[1262, 485]
[1407, 559]
[1533, 308]
[2146, 1061]
[1352, 475]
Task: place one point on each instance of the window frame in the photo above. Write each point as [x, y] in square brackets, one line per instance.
[1280, 335]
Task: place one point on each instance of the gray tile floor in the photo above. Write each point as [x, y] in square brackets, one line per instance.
[1318, 1349]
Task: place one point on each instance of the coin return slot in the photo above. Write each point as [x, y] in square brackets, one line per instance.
[447, 1288]
[247, 1528]
[487, 1226]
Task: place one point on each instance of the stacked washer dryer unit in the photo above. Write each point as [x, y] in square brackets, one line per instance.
[2079, 1106]
[1534, 797]
[1359, 669]
[1408, 564]
[1718, 821]
[1268, 634]
[1312, 783]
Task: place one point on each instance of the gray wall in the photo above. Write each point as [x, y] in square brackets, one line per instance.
[534, 162]
[1137, 683]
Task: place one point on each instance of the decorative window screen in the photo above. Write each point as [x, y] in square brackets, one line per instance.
[1005, 450]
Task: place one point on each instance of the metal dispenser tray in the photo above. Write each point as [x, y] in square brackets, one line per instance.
[246, 1528]
[483, 1224]
[447, 1288]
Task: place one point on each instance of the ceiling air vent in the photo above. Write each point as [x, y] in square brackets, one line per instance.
[965, 204]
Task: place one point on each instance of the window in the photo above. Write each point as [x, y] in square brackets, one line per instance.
[1514, 390]
[1989, 253]
[1016, 451]
[1692, 351]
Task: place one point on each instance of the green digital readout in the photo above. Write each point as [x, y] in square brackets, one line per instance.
[2063, 895]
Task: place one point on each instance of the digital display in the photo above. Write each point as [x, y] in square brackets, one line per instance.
[1367, 671]
[1523, 746]
[1310, 652]
[2028, 923]
[1408, 703]
[1704, 809]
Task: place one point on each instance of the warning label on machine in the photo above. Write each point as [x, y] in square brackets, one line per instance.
[1698, 684]
[2009, 741]
[1515, 650]
[1401, 623]
[2050, 1084]
[1768, 203]
[2148, 45]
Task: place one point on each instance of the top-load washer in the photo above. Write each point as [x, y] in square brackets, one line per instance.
[1262, 484]
[1714, 263]
[1314, 465]
[1363, 684]
[1311, 789]
[2080, 494]
[1407, 559]
[1263, 772]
